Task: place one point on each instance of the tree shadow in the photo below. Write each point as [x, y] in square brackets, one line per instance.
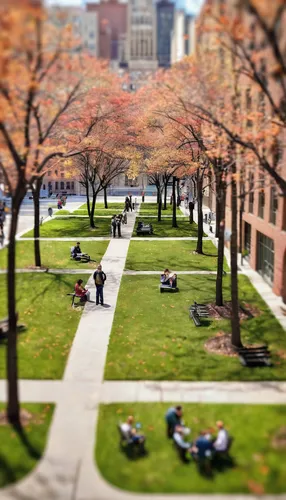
[32, 451]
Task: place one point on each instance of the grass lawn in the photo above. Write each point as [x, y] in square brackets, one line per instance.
[152, 209]
[164, 228]
[255, 466]
[17, 458]
[178, 255]
[51, 324]
[99, 206]
[72, 227]
[55, 254]
[62, 212]
[153, 338]
[97, 213]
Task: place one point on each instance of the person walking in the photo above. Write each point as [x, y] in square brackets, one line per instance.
[99, 278]
[113, 226]
[118, 225]
[191, 209]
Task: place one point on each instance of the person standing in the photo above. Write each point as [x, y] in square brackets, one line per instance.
[191, 209]
[113, 226]
[118, 225]
[99, 278]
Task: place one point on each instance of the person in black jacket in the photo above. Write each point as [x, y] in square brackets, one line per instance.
[99, 278]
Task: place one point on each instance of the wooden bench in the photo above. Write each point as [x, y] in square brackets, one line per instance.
[254, 356]
[74, 296]
[198, 311]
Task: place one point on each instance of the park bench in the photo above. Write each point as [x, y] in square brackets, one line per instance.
[128, 445]
[254, 356]
[144, 228]
[74, 296]
[198, 311]
[4, 327]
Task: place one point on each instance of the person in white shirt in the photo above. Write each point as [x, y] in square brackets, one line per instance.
[222, 440]
[130, 432]
[178, 437]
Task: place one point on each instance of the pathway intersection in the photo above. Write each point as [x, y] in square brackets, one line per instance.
[67, 470]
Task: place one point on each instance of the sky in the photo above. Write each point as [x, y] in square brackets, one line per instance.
[191, 6]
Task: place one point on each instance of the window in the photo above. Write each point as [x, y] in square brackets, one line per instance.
[72, 185]
[265, 257]
[247, 240]
[68, 185]
[251, 194]
[62, 185]
[44, 186]
[56, 185]
[273, 205]
[261, 197]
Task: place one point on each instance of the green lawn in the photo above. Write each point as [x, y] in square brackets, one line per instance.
[164, 228]
[255, 466]
[55, 254]
[111, 206]
[152, 209]
[157, 255]
[18, 458]
[62, 212]
[51, 324]
[153, 338]
[72, 227]
[97, 213]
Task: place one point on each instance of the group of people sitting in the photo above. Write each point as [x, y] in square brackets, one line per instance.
[205, 445]
[169, 279]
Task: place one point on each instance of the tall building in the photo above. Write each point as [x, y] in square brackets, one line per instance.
[141, 36]
[84, 26]
[178, 37]
[165, 23]
[112, 22]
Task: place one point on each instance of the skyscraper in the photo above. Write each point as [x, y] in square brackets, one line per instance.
[141, 35]
[165, 23]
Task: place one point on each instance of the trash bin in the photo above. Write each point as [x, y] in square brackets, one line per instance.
[50, 211]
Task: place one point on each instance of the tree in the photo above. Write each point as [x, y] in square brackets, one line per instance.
[30, 106]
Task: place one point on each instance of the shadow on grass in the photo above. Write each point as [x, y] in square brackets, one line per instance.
[32, 451]
[134, 452]
[220, 463]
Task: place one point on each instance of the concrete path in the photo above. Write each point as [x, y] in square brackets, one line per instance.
[131, 272]
[175, 238]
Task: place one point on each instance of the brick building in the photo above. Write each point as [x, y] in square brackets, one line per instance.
[264, 213]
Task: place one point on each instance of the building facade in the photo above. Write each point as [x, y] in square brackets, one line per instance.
[141, 36]
[112, 22]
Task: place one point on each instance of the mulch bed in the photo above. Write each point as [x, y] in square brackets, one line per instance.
[221, 344]
[246, 311]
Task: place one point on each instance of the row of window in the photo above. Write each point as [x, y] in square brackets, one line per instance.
[265, 253]
[261, 204]
[68, 185]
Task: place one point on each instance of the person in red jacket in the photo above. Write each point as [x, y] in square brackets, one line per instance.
[81, 291]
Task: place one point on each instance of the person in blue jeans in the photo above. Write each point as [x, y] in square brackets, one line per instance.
[99, 278]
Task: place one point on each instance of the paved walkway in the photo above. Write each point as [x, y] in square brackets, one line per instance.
[169, 238]
[130, 271]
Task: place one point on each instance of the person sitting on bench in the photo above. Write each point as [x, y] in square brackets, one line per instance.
[131, 432]
[77, 254]
[221, 443]
[168, 278]
[178, 436]
[203, 446]
[81, 291]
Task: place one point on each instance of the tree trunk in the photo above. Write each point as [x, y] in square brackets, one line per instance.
[13, 408]
[165, 195]
[221, 198]
[157, 194]
[36, 199]
[235, 325]
[199, 248]
[174, 218]
[87, 198]
[178, 199]
[91, 215]
[160, 206]
[105, 197]
[218, 204]
[241, 210]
